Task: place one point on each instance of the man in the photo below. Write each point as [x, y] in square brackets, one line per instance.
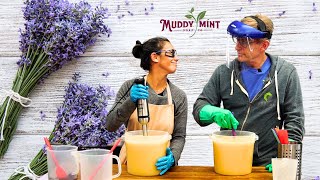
[258, 89]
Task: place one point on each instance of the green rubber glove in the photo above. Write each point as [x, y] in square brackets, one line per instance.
[269, 167]
[223, 117]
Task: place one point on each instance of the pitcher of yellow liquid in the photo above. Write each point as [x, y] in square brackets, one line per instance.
[144, 151]
[233, 154]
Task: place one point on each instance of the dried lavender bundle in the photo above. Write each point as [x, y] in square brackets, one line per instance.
[80, 122]
[55, 32]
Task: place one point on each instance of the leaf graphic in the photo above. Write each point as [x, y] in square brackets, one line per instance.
[188, 16]
[267, 96]
[191, 11]
[201, 15]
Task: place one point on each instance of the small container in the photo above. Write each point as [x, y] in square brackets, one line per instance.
[115, 152]
[233, 154]
[144, 151]
[284, 168]
[91, 159]
[67, 158]
[292, 150]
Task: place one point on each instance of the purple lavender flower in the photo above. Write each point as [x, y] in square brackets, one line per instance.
[24, 61]
[81, 118]
[314, 8]
[76, 76]
[239, 9]
[310, 74]
[282, 13]
[121, 16]
[44, 149]
[42, 115]
[130, 13]
[118, 8]
[105, 74]
[60, 30]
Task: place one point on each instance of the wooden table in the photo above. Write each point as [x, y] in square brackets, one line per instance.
[195, 172]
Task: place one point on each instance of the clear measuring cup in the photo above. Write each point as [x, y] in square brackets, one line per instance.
[90, 160]
[66, 156]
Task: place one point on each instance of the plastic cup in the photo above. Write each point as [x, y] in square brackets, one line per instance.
[66, 156]
[284, 168]
[293, 150]
[90, 160]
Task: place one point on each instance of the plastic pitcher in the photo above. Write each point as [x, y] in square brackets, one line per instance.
[233, 154]
[90, 160]
[144, 151]
[66, 156]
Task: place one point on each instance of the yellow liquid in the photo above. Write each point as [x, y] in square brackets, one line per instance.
[143, 153]
[233, 155]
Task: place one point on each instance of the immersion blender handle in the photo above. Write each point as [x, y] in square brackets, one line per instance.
[142, 108]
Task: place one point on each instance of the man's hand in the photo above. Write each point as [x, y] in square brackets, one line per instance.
[223, 117]
[269, 167]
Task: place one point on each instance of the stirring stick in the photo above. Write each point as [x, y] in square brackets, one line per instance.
[105, 159]
[233, 132]
[275, 135]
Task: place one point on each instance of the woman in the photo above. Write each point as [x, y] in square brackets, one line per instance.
[159, 58]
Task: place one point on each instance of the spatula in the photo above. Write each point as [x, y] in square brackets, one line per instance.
[283, 136]
[60, 173]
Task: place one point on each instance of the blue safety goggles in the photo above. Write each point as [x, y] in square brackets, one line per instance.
[239, 29]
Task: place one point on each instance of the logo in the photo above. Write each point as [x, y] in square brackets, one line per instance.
[193, 23]
[267, 96]
[199, 17]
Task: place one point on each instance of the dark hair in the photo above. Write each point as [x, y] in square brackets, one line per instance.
[143, 51]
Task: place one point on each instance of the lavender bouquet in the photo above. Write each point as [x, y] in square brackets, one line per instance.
[81, 118]
[55, 33]
[80, 122]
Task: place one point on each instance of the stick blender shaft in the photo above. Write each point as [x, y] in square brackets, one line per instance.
[143, 109]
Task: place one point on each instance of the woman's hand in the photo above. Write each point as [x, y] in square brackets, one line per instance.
[139, 91]
[165, 163]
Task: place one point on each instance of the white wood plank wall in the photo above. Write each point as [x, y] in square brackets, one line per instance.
[296, 38]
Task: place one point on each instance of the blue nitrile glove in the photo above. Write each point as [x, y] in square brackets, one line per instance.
[269, 167]
[138, 91]
[166, 162]
[223, 117]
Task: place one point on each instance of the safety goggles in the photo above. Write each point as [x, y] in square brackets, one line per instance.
[169, 53]
[244, 41]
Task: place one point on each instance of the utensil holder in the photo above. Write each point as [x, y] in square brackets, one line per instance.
[292, 150]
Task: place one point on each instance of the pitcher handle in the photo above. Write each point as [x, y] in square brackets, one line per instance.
[119, 166]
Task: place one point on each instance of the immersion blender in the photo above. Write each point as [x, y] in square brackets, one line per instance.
[142, 109]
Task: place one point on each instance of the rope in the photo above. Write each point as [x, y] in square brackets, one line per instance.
[27, 172]
[25, 102]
